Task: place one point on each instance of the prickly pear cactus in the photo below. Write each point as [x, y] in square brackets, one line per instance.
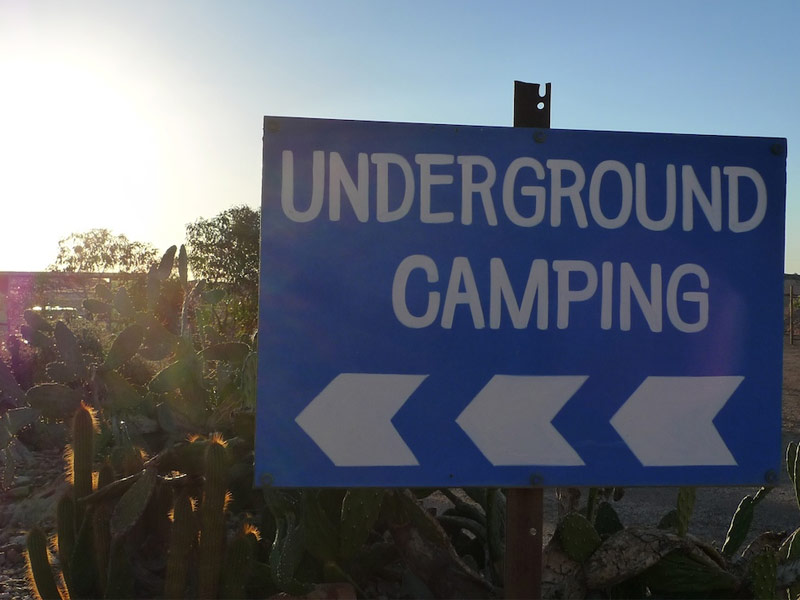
[741, 521]
[763, 576]
[360, 510]
[577, 537]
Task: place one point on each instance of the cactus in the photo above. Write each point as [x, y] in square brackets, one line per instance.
[65, 523]
[82, 565]
[68, 348]
[35, 337]
[39, 565]
[607, 521]
[763, 576]
[793, 467]
[53, 400]
[360, 510]
[212, 519]
[124, 346]
[238, 561]
[106, 475]
[686, 499]
[123, 304]
[249, 381]
[132, 504]
[577, 536]
[164, 268]
[9, 386]
[287, 551]
[183, 267]
[182, 538]
[741, 521]
[120, 583]
[689, 572]
[121, 395]
[36, 321]
[101, 543]
[322, 535]
[739, 527]
[82, 454]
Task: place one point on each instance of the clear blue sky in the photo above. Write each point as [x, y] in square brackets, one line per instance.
[143, 116]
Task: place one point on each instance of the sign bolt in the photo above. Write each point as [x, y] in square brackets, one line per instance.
[777, 149]
[536, 479]
[771, 476]
[539, 137]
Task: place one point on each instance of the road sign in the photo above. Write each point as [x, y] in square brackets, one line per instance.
[450, 306]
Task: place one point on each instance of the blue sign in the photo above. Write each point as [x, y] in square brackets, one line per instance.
[490, 306]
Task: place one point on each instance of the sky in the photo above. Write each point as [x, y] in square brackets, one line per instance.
[144, 116]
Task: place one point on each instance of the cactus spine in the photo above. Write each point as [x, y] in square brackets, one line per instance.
[212, 519]
[39, 565]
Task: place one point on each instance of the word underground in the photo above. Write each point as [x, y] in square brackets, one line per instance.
[526, 205]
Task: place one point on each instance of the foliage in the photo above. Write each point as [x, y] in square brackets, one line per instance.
[99, 250]
[162, 502]
[224, 250]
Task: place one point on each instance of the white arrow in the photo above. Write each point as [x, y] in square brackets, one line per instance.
[667, 422]
[510, 420]
[351, 419]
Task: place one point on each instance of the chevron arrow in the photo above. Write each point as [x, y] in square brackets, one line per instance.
[510, 420]
[351, 419]
[668, 421]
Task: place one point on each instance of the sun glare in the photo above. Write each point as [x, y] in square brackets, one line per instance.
[78, 150]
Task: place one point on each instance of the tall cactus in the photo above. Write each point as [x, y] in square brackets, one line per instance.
[65, 522]
[39, 566]
[82, 455]
[182, 538]
[212, 519]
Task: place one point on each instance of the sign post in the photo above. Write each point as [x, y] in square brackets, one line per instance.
[525, 506]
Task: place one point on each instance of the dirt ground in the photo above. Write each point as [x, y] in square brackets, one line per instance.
[715, 506]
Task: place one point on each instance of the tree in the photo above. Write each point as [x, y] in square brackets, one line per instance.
[225, 250]
[98, 250]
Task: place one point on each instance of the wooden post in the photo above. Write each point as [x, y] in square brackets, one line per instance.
[791, 315]
[525, 506]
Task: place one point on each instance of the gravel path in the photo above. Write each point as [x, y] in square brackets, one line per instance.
[30, 502]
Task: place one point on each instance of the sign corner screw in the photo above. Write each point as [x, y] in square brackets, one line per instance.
[776, 149]
[536, 479]
[539, 137]
[273, 126]
[771, 476]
